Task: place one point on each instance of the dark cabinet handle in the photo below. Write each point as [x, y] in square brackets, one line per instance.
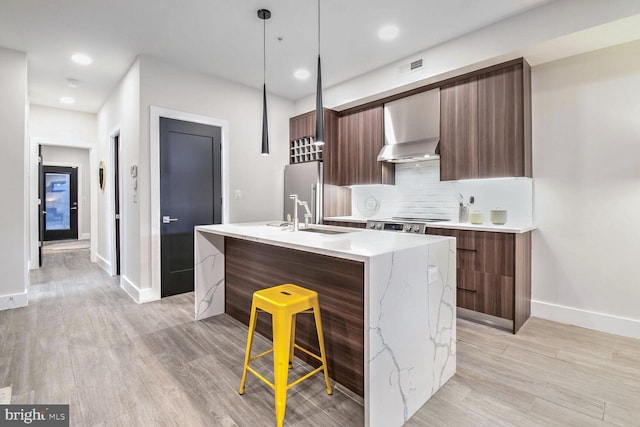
[465, 249]
[466, 290]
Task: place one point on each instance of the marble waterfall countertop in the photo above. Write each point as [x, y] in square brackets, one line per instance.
[352, 243]
[409, 295]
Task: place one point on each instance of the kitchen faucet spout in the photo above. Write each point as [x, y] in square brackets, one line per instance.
[307, 215]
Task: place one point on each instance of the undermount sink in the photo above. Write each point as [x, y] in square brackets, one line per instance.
[323, 231]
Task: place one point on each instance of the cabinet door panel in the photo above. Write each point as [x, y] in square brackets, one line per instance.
[495, 253]
[494, 294]
[369, 144]
[465, 280]
[501, 123]
[360, 139]
[459, 130]
[302, 125]
[464, 239]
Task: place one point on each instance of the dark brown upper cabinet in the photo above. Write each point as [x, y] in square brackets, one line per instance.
[360, 139]
[302, 125]
[486, 124]
[459, 130]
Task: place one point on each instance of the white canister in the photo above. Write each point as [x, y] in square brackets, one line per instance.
[475, 217]
[498, 216]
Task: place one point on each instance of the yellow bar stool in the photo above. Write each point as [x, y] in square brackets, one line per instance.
[284, 302]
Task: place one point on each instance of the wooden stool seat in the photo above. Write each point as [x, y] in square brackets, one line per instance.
[284, 302]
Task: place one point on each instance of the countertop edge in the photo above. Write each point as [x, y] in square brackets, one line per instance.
[519, 229]
[332, 252]
[484, 227]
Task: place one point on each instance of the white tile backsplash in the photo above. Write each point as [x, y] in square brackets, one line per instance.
[419, 193]
[364, 196]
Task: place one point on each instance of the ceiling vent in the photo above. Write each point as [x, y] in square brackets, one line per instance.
[411, 66]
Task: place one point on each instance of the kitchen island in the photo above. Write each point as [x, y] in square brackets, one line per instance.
[387, 302]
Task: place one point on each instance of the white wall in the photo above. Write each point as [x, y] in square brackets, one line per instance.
[151, 82]
[586, 142]
[13, 164]
[79, 157]
[57, 126]
[259, 178]
[514, 37]
[120, 113]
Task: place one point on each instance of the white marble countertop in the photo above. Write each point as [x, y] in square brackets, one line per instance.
[354, 244]
[506, 228]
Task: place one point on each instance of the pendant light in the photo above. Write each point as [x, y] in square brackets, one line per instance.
[319, 140]
[264, 14]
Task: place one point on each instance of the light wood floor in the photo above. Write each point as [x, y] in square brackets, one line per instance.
[83, 341]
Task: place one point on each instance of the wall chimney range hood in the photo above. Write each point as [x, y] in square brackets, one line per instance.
[412, 128]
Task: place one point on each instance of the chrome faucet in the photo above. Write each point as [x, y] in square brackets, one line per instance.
[307, 215]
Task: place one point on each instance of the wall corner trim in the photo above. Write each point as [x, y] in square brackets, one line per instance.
[8, 302]
[140, 296]
[103, 264]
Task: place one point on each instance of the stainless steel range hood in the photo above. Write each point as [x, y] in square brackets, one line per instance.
[412, 128]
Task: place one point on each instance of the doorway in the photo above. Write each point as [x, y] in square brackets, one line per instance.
[116, 199]
[60, 208]
[190, 195]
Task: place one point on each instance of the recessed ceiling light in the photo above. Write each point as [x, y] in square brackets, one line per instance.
[302, 74]
[388, 32]
[67, 100]
[81, 58]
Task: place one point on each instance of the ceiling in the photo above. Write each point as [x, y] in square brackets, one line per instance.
[224, 38]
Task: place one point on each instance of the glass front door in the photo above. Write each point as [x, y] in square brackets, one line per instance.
[61, 203]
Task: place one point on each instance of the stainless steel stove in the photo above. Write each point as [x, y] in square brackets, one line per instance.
[406, 225]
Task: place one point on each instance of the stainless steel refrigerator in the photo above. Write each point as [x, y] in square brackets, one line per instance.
[305, 180]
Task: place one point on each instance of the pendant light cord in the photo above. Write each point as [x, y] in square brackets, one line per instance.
[264, 51]
[318, 27]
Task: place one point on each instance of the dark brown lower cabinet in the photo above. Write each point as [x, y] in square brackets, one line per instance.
[495, 294]
[345, 224]
[493, 273]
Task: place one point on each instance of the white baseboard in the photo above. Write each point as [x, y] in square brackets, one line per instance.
[140, 296]
[103, 264]
[13, 301]
[84, 236]
[587, 319]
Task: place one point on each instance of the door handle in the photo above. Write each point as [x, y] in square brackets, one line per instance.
[168, 219]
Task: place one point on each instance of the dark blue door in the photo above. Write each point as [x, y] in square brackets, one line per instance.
[190, 195]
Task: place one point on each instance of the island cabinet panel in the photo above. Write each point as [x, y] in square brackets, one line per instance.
[493, 273]
[250, 266]
[459, 130]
